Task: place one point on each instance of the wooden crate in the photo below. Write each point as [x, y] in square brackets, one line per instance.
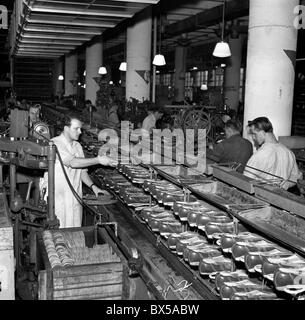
[7, 268]
[104, 281]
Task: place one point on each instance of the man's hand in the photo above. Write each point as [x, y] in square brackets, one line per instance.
[98, 191]
[106, 161]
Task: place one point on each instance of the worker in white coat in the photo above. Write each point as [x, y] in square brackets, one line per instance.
[67, 208]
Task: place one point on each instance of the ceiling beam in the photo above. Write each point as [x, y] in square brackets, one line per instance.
[68, 10]
[234, 10]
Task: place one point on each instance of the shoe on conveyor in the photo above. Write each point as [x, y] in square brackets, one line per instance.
[168, 227]
[195, 255]
[211, 266]
[198, 244]
[229, 288]
[202, 219]
[227, 240]
[173, 238]
[255, 259]
[291, 280]
[183, 243]
[272, 264]
[241, 248]
[229, 276]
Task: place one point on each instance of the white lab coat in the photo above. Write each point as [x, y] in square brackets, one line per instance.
[67, 209]
[276, 159]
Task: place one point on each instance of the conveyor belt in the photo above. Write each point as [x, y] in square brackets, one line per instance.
[159, 261]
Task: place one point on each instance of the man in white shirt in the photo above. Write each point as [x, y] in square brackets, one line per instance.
[271, 157]
[149, 122]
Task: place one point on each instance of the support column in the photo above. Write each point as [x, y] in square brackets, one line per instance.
[58, 84]
[232, 72]
[270, 74]
[94, 60]
[180, 68]
[139, 57]
[70, 74]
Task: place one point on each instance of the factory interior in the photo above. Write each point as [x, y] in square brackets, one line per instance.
[152, 150]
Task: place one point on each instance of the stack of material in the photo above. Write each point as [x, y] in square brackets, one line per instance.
[79, 272]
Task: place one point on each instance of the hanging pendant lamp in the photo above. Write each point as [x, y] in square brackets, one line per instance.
[123, 66]
[159, 59]
[222, 49]
[102, 70]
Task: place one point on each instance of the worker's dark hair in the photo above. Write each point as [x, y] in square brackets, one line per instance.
[88, 101]
[234, 125]
[261, 123]
[69, 118]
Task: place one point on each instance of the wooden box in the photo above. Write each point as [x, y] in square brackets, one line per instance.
[96, 281]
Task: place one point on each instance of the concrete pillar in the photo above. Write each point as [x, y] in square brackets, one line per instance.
[58, 84]
[232, 73]
[139, 58]
[94, 60]
[270, 72]
[70, 74]
[180, 69]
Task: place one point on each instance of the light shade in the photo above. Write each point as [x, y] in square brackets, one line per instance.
[159, 60]
[123, 66]
[85, 73]
[61, 77]
[204, 87]
[110, 82]
[102, 70]
[222, 50]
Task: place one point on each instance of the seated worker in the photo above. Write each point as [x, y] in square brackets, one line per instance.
[89, 106]
[113, 117]
[34, 114]
[67, 208]
[234, 148]
[271, 157]
[149, 122]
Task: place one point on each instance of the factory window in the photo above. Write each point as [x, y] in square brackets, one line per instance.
[201, 77]
[189, 80]
[167, 79]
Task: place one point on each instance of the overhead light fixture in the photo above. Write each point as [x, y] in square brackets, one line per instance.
[102, 70]
[158, 71]
[159, 59]
[61, 77]
[120, 81]
[123, 66]
[111, 82]
[204, 87]
[85, 73]
[222, 49]
[79, 84]
[84, 86]
[223, 65]
[194, 68]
